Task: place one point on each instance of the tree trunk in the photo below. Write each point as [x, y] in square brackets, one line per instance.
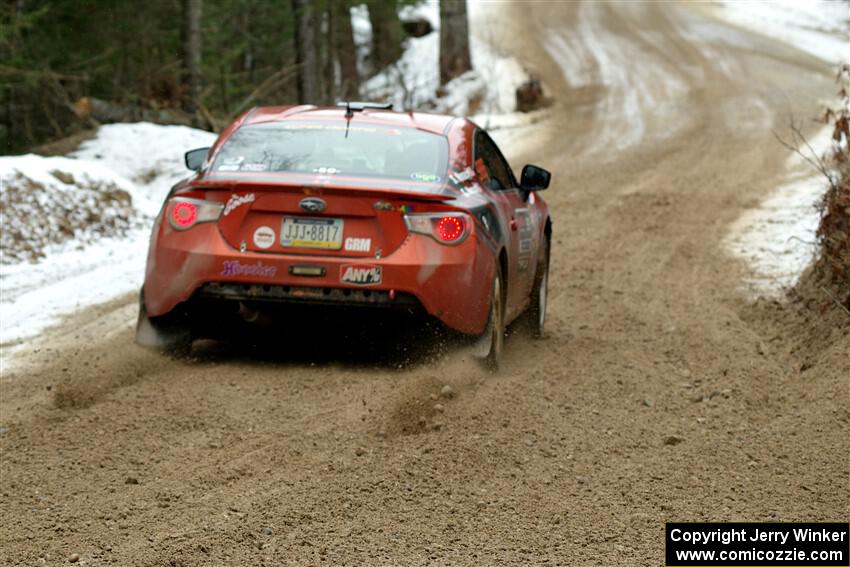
[386, 33]
[330, 57]
[327, 57]
[309, 72]
[192, 54]
[454, 40]
[346, 51]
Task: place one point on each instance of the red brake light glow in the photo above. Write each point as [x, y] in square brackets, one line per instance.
[184, 214]
[449, 229]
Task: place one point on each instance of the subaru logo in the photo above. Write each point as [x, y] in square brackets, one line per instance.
[312, 205]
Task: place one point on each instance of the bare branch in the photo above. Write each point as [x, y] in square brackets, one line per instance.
[833, 298]
[798, 140]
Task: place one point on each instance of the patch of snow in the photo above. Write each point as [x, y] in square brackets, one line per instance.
[145, 160]
[361, 29]
[819, 27]
[460, 94]
[501, 72]
[414, 80]
[777, 239]
[36, 296]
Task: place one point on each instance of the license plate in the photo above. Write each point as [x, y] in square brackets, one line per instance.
[299, 232]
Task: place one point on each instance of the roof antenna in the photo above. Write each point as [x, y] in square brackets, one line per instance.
[349, 114]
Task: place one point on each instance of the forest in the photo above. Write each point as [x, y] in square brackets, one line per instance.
[71, 65]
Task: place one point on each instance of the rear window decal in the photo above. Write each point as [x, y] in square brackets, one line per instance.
[231, 164]
[338, 128]
[425, 177]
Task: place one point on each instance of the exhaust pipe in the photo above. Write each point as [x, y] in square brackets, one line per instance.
[248, 314]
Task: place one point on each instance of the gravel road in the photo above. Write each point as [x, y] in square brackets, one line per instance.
[661, 393]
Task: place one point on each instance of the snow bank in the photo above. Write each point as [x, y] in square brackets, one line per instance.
[47, 203]
[138, 162]
[778, 239]
[149, 155]
[36, 296]
[819, 27]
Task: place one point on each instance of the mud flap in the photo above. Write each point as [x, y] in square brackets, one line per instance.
[488, 347]
[160, 333]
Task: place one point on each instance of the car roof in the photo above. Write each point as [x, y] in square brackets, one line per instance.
[436, 123]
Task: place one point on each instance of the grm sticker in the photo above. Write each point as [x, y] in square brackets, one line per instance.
[358, 244]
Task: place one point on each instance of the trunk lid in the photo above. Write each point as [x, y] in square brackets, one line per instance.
[339, 220]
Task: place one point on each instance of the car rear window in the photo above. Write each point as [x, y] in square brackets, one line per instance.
[330, 148]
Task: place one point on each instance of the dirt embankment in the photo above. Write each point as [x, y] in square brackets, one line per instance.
[658, 395]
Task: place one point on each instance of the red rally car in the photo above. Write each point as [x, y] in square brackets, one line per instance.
[356, 206]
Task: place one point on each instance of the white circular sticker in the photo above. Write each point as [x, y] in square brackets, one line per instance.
[264, 237]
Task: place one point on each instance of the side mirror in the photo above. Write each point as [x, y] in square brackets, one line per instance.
[534, 178]
[195, 158]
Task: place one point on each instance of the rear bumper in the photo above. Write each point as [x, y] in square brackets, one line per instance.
[303, 295]
[451, 283]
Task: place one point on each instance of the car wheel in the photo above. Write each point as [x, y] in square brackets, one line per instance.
[493, 339]
[161, 333]
[535, 316]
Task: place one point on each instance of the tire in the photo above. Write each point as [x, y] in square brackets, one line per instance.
[162, 333]
[491, 343]
[535, 316]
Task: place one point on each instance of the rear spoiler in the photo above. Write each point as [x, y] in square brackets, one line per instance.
[329, 185]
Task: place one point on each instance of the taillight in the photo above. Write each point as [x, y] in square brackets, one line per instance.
[445, 228]
[183, 213]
